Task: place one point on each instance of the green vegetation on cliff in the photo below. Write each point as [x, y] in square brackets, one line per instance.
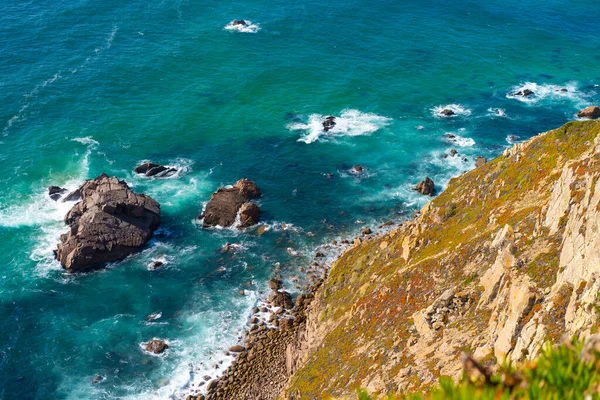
[568, 371]
[501, 262]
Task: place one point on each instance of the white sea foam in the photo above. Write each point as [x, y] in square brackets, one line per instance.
[349, 123]
[248, 28]
[459, 140]
[549, 92]
[457, 109]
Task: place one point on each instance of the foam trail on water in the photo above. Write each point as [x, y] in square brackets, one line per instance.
[543, 93]
[349, 123]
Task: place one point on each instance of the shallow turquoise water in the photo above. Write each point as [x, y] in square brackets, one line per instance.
[89, 87]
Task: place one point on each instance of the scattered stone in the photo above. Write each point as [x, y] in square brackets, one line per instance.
[108, 224]
[591, 112]
[426, 187]
[480, 161]
[156, 346]
[328, 124]
[237, 348]
[55, 192]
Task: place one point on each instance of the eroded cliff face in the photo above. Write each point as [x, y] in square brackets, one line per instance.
[504, 260]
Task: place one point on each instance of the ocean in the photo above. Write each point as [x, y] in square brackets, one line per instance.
[88, 87]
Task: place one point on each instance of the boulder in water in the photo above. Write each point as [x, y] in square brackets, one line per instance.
[108, 224]
[329, 123]
[151, 169]
[447, 112]
[239, 22]
[224, 205]
[156, 346]
[524, 93]
[55, 192]
[426, 187]
[591, 112]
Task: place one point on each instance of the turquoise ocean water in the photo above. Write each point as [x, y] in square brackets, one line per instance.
[98, 86]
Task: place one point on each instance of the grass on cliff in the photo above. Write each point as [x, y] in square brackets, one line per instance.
[563, 372]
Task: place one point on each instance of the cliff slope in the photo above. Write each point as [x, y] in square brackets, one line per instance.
[507, 258]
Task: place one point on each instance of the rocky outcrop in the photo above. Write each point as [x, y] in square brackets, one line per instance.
[591, 112]
[479, 161]
[109, 223]
[524, 93]
[447, 112]
[426, 187]
[226, 205]
[150, 169]
[504, 260]
[240, 22]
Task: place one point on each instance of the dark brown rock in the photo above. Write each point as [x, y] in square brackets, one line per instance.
[282, 299]
[239, 22]
[453, 152]
[156, 346]
[447, 112]
[223, 206]
[426, 187]
[237, 348]
[366, 231]
[524, 93]
[108, 224]
[275, 284]
[591, 112]
[328, 124]
[151, 169]
[55, 192]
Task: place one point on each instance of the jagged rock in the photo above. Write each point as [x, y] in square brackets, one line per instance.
[239, 22]
[591, 112]
[426, 187]
[249, 214]
[151, 169]
[479, 161]
[328, 124]
[225, 203]
[55, 192]
[281, 299]
[524, 93]
[156, 346]
[447, 112]
[108, 224]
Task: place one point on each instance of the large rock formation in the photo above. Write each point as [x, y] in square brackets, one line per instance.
[504, 260]
[226, 203]
[109, 223]
[426, 187]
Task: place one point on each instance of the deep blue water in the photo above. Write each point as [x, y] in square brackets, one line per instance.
[89, 87]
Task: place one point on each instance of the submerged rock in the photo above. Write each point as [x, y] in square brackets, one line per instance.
[108, 224]
[56, 192]
[156, 346]
[151, 169]
[426, 187]
[591, 112]
[224, 205]
[97, 379]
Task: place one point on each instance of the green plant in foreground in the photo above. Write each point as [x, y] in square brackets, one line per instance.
[568, 371]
